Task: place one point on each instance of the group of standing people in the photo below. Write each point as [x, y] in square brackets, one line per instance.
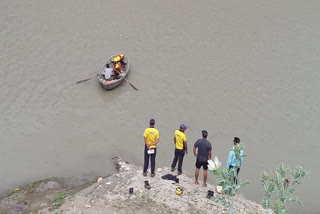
[202, 150]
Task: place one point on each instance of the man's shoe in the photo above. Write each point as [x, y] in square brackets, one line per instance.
[179, 173]
[210, 194]
[144, 174]
[152, 174]
[147, 185]
[172, 169]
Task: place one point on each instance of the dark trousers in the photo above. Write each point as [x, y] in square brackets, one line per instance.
[146, 160]
[235, 180]
[178, 156]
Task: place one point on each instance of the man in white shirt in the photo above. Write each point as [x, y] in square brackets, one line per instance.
[107, 73]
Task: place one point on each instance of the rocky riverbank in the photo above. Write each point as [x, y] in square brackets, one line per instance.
[112, 195]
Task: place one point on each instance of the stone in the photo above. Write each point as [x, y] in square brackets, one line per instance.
[100, 180]
[219, 189]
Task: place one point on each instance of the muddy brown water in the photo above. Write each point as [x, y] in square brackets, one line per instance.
[236, 68]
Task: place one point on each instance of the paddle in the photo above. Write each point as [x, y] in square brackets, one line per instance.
[130, 84]
[91, 77]
[87, 79]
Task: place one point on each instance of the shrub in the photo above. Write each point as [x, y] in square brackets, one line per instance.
[59, 197]
[278, 190]
[226, 177]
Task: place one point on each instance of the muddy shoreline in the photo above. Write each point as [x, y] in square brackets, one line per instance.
[41, 194]
[112, 195]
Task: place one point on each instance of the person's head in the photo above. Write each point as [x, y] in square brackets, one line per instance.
[152, 122]
[183, 127]
[236, 140]
[204, 133]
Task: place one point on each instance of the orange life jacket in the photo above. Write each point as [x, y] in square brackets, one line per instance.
[118, 66]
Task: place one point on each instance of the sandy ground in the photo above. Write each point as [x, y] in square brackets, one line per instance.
[111, 195]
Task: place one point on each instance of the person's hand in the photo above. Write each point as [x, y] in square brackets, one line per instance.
[185, 151]
[148, 146]
[195, 155]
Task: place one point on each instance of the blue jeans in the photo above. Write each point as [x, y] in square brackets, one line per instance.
[178, 156]
[146, 160]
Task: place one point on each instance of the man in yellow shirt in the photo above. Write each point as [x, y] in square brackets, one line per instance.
[151, 139]
[180, 141]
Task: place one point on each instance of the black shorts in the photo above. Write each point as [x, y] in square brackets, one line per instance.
[202, 163]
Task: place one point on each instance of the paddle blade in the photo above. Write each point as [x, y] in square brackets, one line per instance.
[82, 81]
[133, 87]
[86, 79]
[131, 84]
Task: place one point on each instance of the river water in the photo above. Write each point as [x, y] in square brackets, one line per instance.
[236, 68]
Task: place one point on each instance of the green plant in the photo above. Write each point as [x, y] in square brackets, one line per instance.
[9, 193]
[57, 200]
[226, 177]
[278, 189]
[59, 197]
[222, 200]
[31, 187]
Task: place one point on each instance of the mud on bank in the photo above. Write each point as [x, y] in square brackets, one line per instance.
[47, 193]
[112, 195]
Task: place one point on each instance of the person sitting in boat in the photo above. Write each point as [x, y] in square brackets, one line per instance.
[119, 58]
[117, 70]
[108, 73]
